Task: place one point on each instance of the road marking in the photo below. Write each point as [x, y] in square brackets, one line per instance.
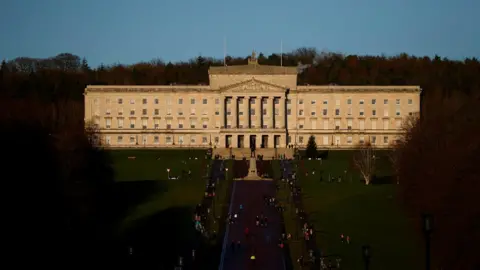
[225, 237]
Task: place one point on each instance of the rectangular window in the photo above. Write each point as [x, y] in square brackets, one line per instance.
[108, 122]
[144, 101]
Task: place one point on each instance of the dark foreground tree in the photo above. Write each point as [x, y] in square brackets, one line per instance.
[311, 151]
[439, 174]
[57, 187]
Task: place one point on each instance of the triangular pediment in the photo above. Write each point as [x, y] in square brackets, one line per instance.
[252, 85]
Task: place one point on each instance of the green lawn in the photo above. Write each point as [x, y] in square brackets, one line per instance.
[147, 175]
[368, 214]
[158, 210]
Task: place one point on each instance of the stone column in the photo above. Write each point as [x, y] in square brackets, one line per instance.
[249, 116]
[258, 109]
[281, 116]
[271, 112]
[246, 112]
[223, 112]
[234, 110]
[261, 111]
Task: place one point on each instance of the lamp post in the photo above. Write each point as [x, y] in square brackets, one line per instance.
[427, 231]
[168, 173]
[366, 256]
[226, 173]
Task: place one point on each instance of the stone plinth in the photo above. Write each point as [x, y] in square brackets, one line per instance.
[252, 172]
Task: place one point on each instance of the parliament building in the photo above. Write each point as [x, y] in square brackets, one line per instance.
[249, 105]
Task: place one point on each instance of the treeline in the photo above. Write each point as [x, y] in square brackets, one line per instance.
[66, 75]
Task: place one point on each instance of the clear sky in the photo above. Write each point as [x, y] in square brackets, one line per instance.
[128, 31]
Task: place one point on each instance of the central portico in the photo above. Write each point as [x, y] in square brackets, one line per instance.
[254, 104]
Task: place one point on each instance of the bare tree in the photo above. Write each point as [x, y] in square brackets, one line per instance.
[364, 161]
[92, 133]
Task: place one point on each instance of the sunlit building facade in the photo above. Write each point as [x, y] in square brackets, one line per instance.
[249, 104]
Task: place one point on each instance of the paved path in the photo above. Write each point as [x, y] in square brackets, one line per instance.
[268, 255]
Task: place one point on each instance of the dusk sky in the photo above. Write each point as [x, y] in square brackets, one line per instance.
[121, 31]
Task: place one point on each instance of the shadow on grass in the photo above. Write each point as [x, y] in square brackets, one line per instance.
[157, 242]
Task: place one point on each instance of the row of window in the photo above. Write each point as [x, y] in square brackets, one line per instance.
[361, 112]
[348, 140]
[301, 112]
[360, 102]
[169, 139]
[349, 124]
[181, 112]
[180, 101]
[204, 101]
[192, 124]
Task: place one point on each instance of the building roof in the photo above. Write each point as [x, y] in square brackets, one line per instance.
[253, 69]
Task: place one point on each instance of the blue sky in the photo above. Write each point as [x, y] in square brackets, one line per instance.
[121, 31]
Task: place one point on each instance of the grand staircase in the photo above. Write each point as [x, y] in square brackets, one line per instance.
[267, 153]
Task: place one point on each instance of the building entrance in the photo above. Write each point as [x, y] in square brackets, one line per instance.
[264, 141]
[240, 141]
[276, 140]
[228, 141]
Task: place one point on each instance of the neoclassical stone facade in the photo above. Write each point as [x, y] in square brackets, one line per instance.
[249, 104]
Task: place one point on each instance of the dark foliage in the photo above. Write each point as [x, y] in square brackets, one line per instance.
[57, 188]
[439, 174]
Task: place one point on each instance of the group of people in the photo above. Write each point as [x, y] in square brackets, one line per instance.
[203, 209]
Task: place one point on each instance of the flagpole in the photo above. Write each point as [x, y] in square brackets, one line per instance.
[281, 53]
[225, 51]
